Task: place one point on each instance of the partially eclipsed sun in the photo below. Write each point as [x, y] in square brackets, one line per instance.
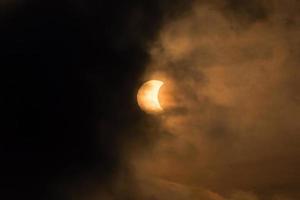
[147, 96]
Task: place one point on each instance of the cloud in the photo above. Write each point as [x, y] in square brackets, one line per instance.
[234, 124]
[230, 129]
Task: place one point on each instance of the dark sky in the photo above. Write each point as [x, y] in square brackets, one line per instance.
[70, 71]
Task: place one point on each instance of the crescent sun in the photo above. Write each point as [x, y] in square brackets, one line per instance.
[147, 96]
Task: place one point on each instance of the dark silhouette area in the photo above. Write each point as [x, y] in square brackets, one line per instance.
[68, 69]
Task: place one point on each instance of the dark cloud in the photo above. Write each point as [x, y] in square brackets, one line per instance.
[253, 10]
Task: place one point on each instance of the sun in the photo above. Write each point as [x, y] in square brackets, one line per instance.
[147, 96]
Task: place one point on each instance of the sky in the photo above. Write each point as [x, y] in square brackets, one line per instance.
[73, 129]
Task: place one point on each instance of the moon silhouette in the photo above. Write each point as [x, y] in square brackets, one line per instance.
[147, 96]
